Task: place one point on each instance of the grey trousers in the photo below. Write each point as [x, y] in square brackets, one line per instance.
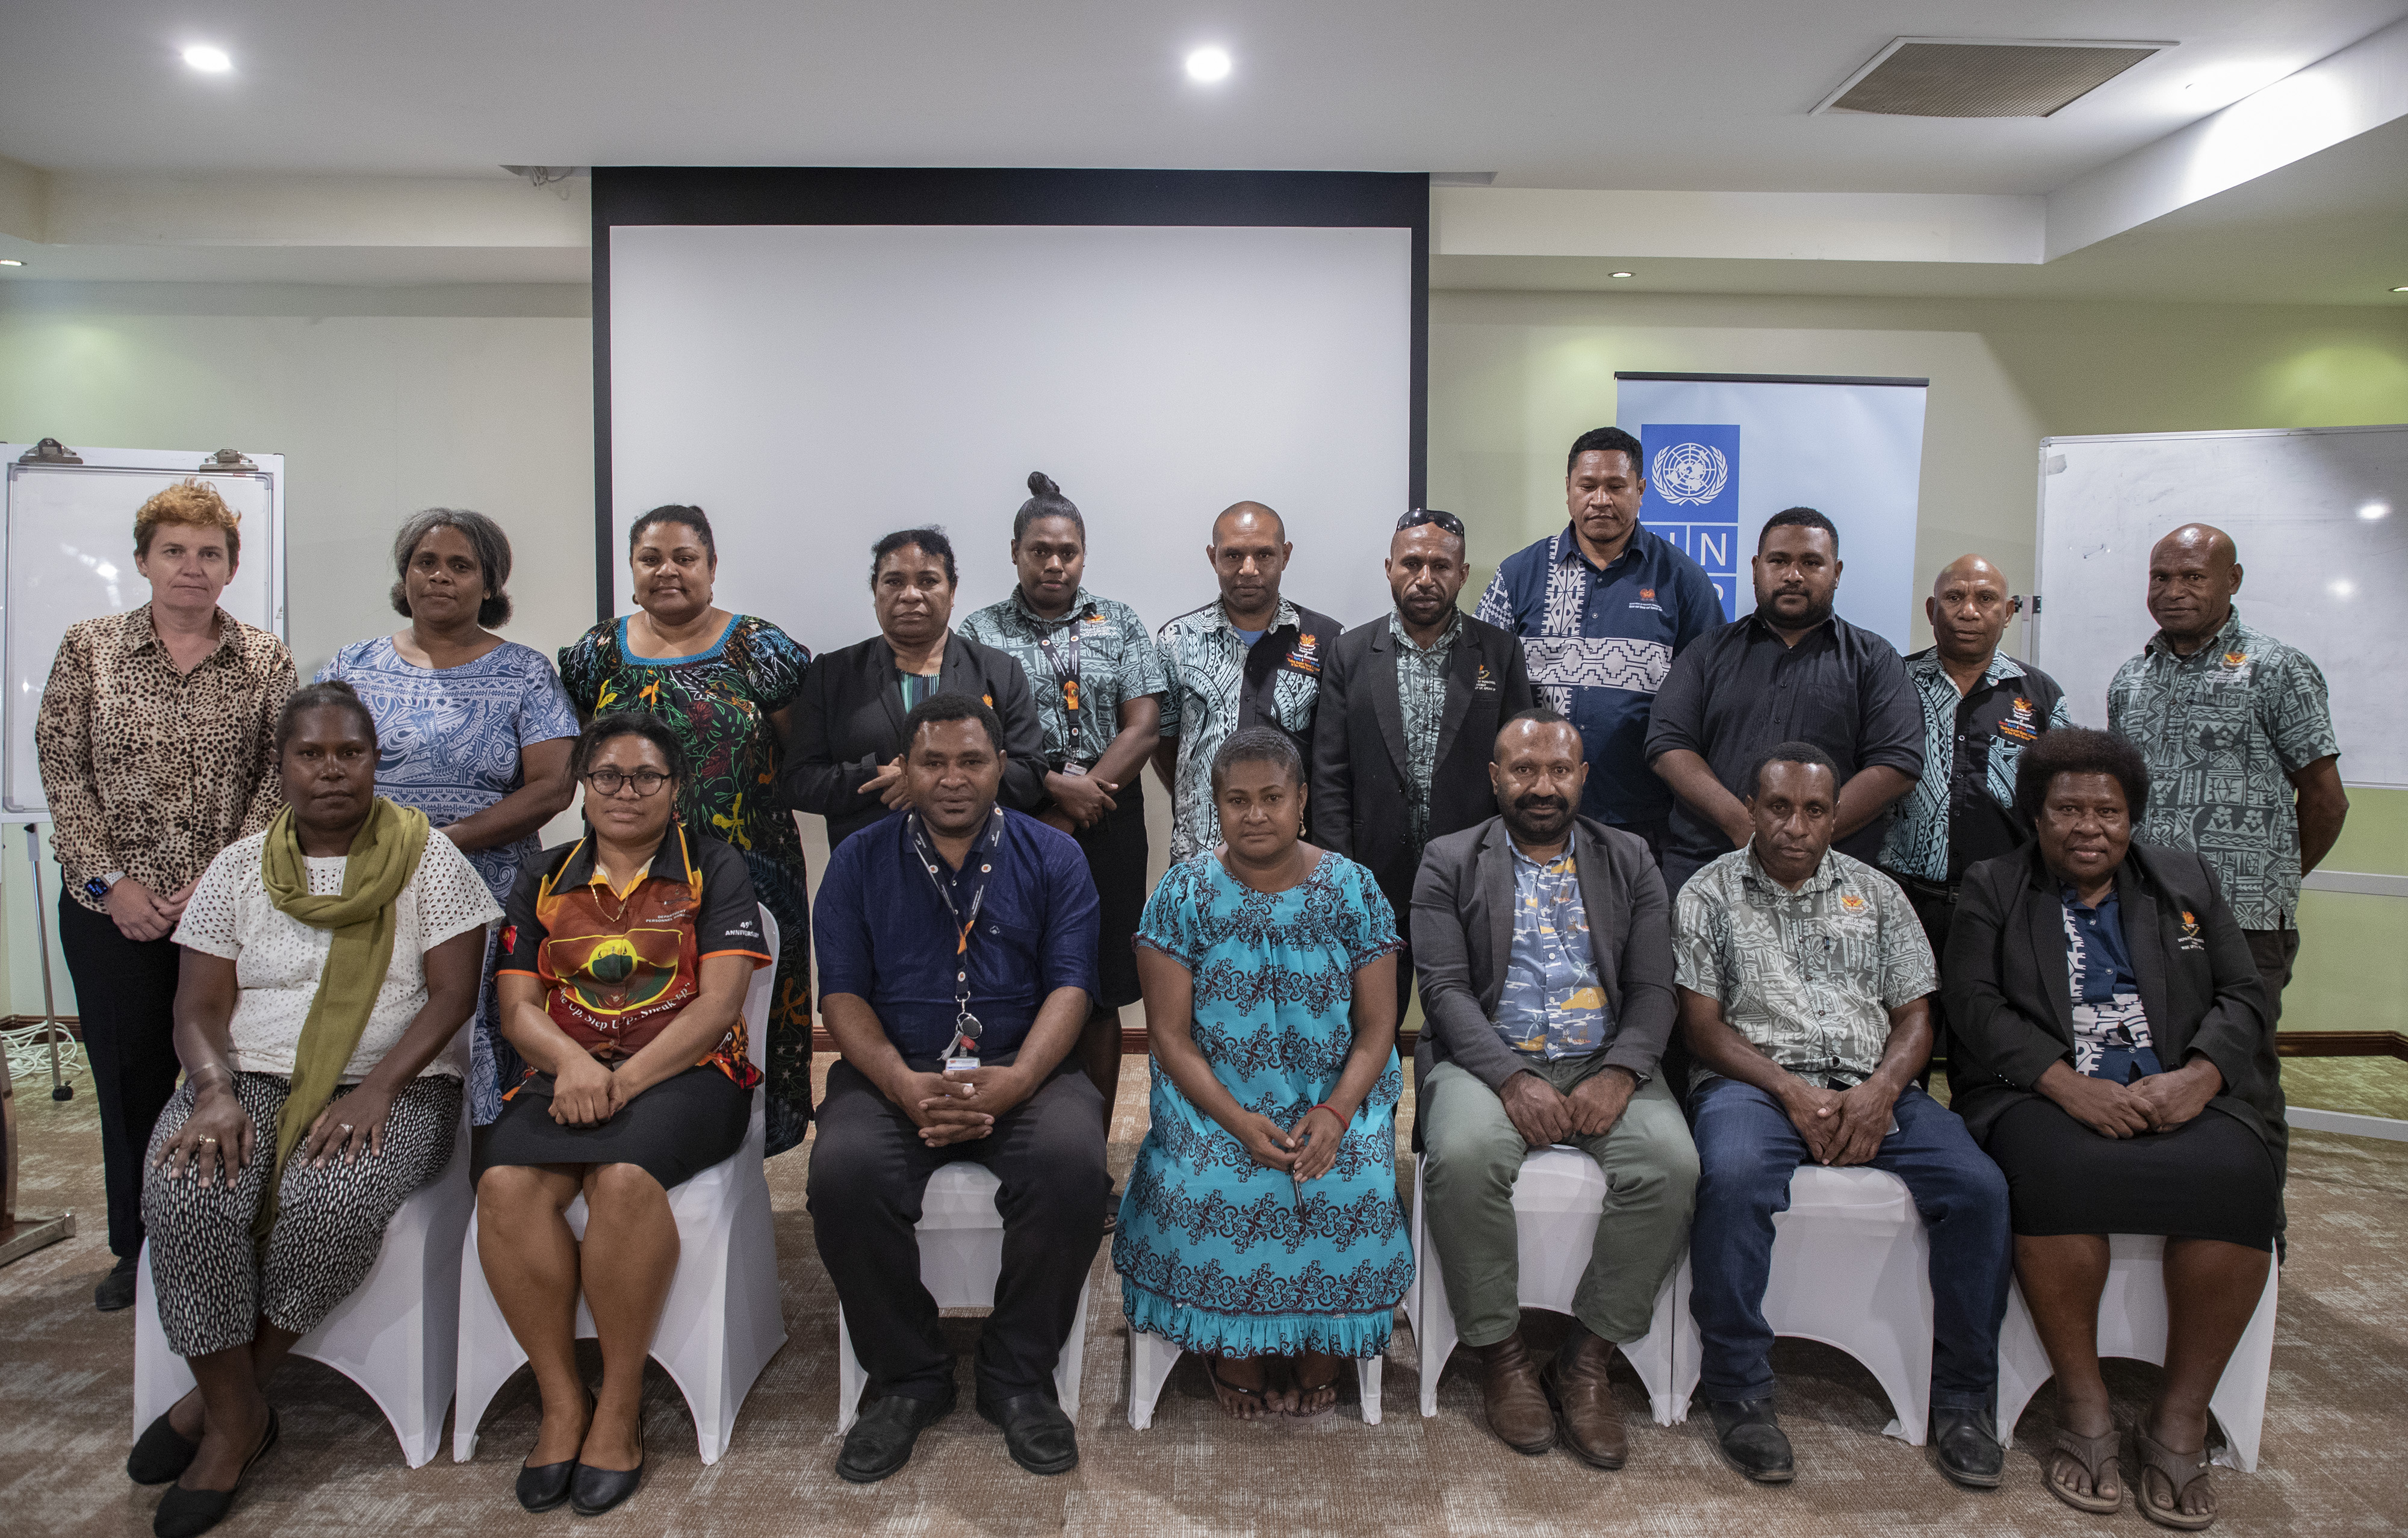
[214, 1284]
[1472, 1155]
[2275, 951]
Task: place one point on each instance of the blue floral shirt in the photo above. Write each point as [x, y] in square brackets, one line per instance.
[1551, 1004]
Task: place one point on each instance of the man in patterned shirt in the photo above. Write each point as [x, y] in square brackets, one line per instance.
[1249, 658]
[1980, 708]
[1803, 983]
[2243, 766]
[1603, 606]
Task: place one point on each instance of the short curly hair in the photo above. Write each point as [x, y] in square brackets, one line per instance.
[2080, 750]
[492, 548]
[191, 503]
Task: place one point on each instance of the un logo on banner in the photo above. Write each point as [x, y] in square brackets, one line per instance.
[1689, 474]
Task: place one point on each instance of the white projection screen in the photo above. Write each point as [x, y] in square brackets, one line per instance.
[814, 384]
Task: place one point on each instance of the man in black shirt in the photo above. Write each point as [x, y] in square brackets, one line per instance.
[1790, 671]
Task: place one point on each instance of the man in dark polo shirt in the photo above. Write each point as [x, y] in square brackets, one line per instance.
[1602, 608]
[1980, 708]
[1791, 671]
[957, 930]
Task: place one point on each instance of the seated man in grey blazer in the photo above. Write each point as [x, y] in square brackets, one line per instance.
[1544, 945]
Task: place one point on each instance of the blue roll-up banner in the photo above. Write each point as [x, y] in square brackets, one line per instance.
[1725, 452]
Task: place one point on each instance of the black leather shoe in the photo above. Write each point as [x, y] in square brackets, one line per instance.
[1751, 1441]
[188, 1514]
[593, 1491]
[544, 1486]
[881, 1441]
[1037, 1434]
[159, 1455]
[116, 1291]
[1966, 1442]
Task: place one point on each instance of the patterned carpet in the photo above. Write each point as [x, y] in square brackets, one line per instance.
[2337, 1420]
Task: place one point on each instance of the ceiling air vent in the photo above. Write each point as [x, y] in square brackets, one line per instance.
[1982, 77]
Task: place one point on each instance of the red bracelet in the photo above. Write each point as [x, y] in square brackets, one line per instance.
[1325, 1105]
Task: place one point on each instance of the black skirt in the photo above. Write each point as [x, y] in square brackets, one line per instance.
[2210, 1178]
[1115, 849]
[673, 1131]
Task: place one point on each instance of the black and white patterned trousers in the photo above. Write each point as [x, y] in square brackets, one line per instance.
[213, 1283]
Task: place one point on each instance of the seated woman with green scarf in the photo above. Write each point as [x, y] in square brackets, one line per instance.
[327, 963]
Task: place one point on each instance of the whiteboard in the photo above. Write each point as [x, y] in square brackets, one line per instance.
[2320, 517]
[813, 386]
[68, 550]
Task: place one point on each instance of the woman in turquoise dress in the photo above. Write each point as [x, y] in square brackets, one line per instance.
[725, 683]
[471, 730]
[1260, 1228]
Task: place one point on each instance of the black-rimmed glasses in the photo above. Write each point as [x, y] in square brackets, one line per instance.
[644, 781]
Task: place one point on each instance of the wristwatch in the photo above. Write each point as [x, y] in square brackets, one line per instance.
[98, 886]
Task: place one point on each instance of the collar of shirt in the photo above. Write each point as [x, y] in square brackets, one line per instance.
[2222, 642]
[1285, 614]
[1568, 548]
[1565, 859]
[1446, 638]
[671, 861]
[1826, 627]
[140, 634]
[1826, 876]
[1083, 606]
[1926, 669]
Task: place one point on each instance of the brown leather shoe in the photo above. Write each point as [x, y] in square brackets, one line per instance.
[1516, 1405]
[1575, 1384]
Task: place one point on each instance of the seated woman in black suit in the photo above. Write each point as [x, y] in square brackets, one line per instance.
[2113, 1050]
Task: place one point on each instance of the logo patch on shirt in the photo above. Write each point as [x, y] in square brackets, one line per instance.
[1852, 902]
[2234, 660]
[1485, 682]
[2189, 939]
[2024, 725]
[1647, 594]
[510, 939]
[1305, 656]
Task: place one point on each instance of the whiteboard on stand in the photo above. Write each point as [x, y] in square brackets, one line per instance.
[2320, 517]
[68, 553]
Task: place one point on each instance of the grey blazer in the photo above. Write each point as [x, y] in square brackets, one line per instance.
[1463, 937]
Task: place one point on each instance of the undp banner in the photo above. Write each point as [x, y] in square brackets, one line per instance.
[1725, 452]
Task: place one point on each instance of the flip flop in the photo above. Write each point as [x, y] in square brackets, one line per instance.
[2180, 1471]
[1307, 1390]
[1222, 1385]
[2091, 1454]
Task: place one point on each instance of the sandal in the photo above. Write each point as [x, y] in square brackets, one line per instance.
[1306, 1392]
[2180, 1471]
[2092, 1455]
[1222, 1385]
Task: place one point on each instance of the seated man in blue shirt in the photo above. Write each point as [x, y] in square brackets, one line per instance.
[956, 933]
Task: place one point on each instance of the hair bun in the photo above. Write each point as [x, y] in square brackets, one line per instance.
[1042, 485]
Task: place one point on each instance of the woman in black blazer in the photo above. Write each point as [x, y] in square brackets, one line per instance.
[2112, 1050]
[845, 761]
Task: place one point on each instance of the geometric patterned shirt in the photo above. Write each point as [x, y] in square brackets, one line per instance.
[1204, 674]
[1421, 694]
[2222, 730]
[1117, 662]
[1809, 976]
[1970, 743]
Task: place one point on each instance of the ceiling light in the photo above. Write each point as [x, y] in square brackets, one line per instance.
[1622, 275]
[207, 59]
[11, 262]
[2373, 511]
[1209, 64]
[2340, 589]
[2402, 289]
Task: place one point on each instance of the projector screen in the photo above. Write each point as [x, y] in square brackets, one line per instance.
[812, 385]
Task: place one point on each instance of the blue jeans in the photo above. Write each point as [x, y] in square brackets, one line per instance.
[1747, 1150]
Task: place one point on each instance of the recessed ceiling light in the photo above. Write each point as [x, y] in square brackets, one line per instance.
[11, 262]
[1622, 275]
[207, 59]
[2372, 510]
[2402, 289]
[1209, 64]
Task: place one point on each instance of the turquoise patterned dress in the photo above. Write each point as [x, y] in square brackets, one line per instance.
[1212, 1249]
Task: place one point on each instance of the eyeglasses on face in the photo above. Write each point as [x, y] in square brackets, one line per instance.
[1419, 516]
[644, 781]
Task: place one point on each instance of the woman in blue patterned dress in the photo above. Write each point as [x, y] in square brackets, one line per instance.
[471, 730]
[1260, 1226]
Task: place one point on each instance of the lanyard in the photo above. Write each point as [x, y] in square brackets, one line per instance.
[966, 1025]
[1069, 678]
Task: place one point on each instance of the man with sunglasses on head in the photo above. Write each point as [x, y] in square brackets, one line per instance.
[1603, 606]
[1410, 705]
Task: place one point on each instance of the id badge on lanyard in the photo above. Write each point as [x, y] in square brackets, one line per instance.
[961, 1055]
[1073, 702]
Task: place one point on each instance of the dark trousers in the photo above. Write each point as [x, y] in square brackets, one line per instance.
[869, 1171]
[2275, 951]
[1935, 907]
[126, 999]
[1747, 1150]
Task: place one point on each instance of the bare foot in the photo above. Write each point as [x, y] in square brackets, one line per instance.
[1314, 1374]
[2187, 1439]
[1241, 1384]
[615, 1441]
[562, 1431]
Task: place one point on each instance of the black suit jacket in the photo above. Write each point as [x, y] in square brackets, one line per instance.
[849, 721]
[1358, 801]
[2009, 997]
[1463, 937]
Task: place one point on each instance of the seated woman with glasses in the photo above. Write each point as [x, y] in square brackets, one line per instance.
[625, 964]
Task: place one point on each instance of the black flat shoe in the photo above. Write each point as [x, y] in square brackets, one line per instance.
[544, 1486]
[116, 1289]
[1036, 1432]
[881, 1439]
[1751, 1441]
[1966, 1444]
[159, 1455]
[593, 1491]
[187, 1514]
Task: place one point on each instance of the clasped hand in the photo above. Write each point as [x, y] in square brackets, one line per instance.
[2158, 1103]
[1081, 799]
[1306, 1150]
[888, 787]
[950, 1108]
[586, 1093]
[1840, 1127]
[1545, 1115]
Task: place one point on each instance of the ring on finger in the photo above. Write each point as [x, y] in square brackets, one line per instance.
[208, 1140]
[344, 1124]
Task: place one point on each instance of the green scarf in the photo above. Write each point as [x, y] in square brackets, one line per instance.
[384, 855]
